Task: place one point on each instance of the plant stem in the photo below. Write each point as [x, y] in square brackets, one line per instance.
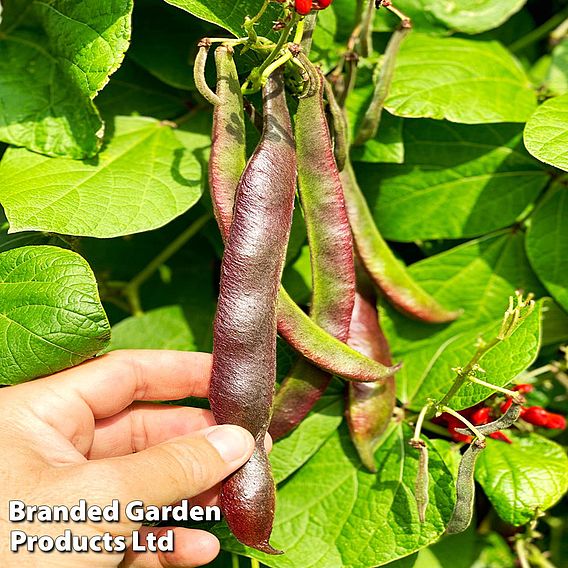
[540, 32]
[522, 553]
[234, 560]
[483, 383]
[254, 563]
[463, 419]
[131, 290]
[420, 421]
[463, 374]
[256, 74]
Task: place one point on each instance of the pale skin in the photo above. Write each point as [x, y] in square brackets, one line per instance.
[92, 433]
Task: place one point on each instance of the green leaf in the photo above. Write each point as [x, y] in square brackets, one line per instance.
[333, 514]
[459, 80]
[455, 551]
[133, 91]
[292, 452]
[143, 179]
[501, 364]
[457, 181]
[474, 16]
[162, 328]
[164, 42]
[547, 243]
[524, 477]
[557, 79]
[478, 277]
[493, 551]
[386, 147]
[55, 56]
[419, 11]
[229, 14]
[50, 313]
[546, 133]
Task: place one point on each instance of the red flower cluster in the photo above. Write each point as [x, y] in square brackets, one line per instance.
[481, 414]
[304, 7]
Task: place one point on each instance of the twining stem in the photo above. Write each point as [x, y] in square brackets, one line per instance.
[463, 375]
[251, 22]
[404, 19]
[132, 289]
[540, 32]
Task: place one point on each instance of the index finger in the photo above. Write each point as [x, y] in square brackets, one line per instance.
[110, 383]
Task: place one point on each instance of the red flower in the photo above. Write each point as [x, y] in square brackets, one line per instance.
[501, 436]
[523, 388]
[540, 417]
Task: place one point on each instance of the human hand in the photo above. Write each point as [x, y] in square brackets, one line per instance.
[85, 433]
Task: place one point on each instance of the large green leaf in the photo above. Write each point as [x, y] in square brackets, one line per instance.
[55, 56]
[229, 14]
[524, 477]
[143, 178]
[546, 133]
[474, 16]
[459, 80]
[162, 328]
[293, 451]
[50, 313]
[334, 514]
[457, 181]
[547, 243]
[478, 277]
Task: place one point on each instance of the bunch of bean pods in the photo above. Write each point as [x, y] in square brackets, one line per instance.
[253, 199]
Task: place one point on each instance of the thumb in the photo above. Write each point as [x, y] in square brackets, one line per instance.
[179, 468]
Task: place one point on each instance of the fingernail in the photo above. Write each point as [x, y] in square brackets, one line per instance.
[232, 443]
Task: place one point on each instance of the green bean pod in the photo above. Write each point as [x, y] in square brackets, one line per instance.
[228, 145]
[387, 272]
[465, 489]
[372, 119]
[324, 350]
[331, 251]
[369, 405]
[227, 163]
[506, 421]
[244, 343]
[422, 483]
